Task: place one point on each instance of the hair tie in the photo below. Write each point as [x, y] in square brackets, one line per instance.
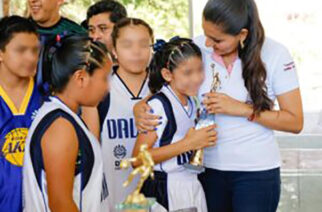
[158, 46]
[175, 38]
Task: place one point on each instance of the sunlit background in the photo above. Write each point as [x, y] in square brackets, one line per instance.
[295, 23]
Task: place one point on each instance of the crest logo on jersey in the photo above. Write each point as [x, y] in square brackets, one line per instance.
[119, 151]
[289, 66]
[14, 146]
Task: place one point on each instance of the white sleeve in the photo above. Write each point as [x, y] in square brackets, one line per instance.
[284, 78]
[158, 110]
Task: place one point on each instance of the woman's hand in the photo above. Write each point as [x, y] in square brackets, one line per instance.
[144, 118]
[219, 103]
[199, 139]
[289, 118]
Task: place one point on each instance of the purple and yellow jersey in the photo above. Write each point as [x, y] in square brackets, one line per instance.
[14, 125]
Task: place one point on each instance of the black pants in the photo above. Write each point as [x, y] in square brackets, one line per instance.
[231, 191]
[157, 188]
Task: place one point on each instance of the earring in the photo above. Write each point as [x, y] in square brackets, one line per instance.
[242, 45]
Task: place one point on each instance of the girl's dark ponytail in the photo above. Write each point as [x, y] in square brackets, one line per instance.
[62, 57]
[156, 80]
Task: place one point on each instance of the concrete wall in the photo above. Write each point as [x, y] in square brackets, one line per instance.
[301, 173]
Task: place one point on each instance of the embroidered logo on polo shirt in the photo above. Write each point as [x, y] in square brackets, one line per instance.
[289, 66]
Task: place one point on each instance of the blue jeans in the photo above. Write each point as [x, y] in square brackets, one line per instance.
[235, 191]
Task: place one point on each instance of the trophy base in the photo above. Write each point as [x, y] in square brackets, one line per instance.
[133, 207]
[194, 168]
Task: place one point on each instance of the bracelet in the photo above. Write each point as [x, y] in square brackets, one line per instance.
[251, 117]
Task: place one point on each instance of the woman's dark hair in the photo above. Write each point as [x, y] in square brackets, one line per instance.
[169, 55]
[129, 22]
[116, 9]
[14, 24]
[233, 16]
[64, 56]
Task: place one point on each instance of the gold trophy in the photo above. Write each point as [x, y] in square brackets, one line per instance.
[136, 200]
[204, 119]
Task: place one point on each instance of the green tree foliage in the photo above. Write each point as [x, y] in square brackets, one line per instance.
[167, 17]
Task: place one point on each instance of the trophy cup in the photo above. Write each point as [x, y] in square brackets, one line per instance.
[136, 201]
[204, 119]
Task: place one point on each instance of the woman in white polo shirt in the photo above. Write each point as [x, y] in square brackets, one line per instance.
[242, 170]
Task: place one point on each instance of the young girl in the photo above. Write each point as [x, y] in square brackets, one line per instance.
[63, 168]
[176, 73]
[132, 41]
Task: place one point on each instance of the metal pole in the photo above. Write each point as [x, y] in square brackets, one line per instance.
[191, 19]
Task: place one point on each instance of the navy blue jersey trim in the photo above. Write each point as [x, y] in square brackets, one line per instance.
[138, 97]
[85, 159]
[189, 114]
[157, 188]
[103, 109]
[171, 126]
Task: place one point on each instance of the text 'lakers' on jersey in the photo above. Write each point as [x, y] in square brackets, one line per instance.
[14, 125]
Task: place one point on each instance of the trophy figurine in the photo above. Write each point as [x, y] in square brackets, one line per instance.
[204, 119]
[137, 200]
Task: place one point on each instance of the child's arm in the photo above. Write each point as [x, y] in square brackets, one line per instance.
[60, 153]
[91, 118]
[194, 139]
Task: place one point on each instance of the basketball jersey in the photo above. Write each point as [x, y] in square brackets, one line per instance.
[118, 135]
[176, 122]
[90, 188]
[174, 187]
[14, 125]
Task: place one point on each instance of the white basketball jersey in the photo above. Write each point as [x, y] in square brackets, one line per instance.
[177, 120]
[118, 135]
[90, 188]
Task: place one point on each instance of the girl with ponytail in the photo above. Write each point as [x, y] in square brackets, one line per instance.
[63, 167]
[175, 75]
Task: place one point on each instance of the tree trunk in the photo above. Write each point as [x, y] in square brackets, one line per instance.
[5, 7]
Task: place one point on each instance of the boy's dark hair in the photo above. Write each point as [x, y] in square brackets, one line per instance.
[129, 22]
[11, 25]
[169, 55]
[117, 10]
[84, 24]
